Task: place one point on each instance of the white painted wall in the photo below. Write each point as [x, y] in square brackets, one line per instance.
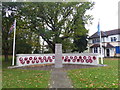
[67, 58]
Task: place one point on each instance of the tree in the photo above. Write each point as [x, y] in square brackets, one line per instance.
[80, 43]
[57, 22]
[26, 41]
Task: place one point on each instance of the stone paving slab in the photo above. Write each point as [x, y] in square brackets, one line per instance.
[59, 79]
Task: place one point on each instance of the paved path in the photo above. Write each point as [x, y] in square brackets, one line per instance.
[59, 79]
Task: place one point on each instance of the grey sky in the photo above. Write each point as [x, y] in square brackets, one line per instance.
[107, 12]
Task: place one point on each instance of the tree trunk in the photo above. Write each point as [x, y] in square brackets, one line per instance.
[6, 55]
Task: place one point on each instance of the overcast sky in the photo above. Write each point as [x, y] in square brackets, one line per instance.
[107, 11]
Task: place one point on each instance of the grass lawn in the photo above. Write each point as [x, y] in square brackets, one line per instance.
[17, 78]
[97, 77]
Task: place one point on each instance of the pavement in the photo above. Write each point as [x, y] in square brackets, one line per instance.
[59, 79]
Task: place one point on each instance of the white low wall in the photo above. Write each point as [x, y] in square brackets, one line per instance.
[68, 58]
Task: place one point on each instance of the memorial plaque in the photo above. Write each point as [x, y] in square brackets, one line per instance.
[58, 56]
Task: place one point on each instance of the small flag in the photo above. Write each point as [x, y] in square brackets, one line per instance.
[98, 27]
[12, 27]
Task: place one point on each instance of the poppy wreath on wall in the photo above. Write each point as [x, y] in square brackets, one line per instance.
[80, 57]
[46, 60]
[78, 60]
[69, 60]
[39, 58]
[50, 60]
[66, 57]
[44, 57]
[71, 57]
[27, 61]
[89, 57]
[35, 58]
[42, 60]
[90, 60]
[26, 58]
[75, 57]
[65, 60]
[94, 58]
[53, 57]
[82, 60]
[84, 57]
[62, 57]
[21, 60]
[37, 61]
[33, 61]
[87, 61]
[74, 60]
[30, 58]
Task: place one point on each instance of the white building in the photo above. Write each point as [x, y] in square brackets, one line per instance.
[110, 43]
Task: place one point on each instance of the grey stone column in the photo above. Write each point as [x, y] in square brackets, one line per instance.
[58, 56]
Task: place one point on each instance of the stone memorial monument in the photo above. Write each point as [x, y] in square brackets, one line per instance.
[58, 56]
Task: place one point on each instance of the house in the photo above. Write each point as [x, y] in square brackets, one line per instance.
[110, 43]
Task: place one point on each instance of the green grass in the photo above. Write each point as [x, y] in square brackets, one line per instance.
[17, 78]
[97, 77]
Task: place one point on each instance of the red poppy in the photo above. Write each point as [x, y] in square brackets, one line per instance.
[94, 58]
[66, 57]
[80, 57]
[28, 61]
[44, 57]
[62, 57]
[26, 58]
[82, 60]
[84, 57]
[33, 61]
[39, 58]
[89, 57]
[37, 61]
[65, 60]
[78, 60]
[35, 58]
[71, 57]
[30, 58]
[42, 60]
[90, 60]
[75, 57]
[87, 61]
[49, 57]
[68, 60]
[53, 57]
[22, 62]
[47, 60]
[20, 59]
[50, 60]
[74, 60]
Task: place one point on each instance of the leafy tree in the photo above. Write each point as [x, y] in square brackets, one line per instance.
[57, 22]
[80, 43]
[26, 41]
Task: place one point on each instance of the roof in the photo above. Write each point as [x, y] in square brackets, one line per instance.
[106, 33]
[109, 45]
[96, 45]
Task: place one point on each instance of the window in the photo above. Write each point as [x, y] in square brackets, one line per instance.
[95, 50]
[95, 40]
[113, 39]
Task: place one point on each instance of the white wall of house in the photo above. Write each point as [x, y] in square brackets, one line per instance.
[106, 40]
